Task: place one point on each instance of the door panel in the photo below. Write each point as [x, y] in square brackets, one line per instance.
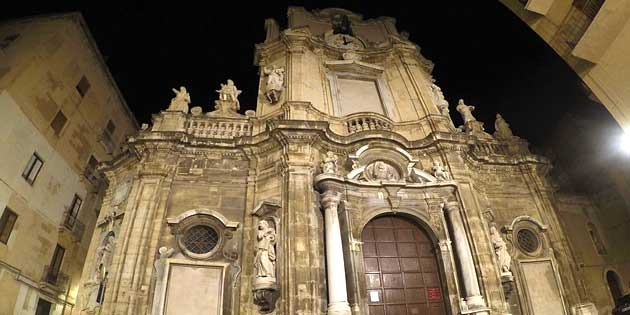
[401, 271]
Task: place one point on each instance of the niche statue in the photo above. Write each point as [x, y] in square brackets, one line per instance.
[265, 284]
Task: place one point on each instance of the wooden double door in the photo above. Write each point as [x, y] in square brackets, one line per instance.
[401, 269]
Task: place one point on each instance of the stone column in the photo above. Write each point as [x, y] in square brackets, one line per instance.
[337, 292]
[464, 261]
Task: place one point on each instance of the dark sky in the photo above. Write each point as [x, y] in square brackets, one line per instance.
[482, 53]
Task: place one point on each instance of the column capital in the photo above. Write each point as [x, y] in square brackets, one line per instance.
[451, 206]
[330, 199]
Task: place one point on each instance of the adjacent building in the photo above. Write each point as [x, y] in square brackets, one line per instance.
[593, 37]
[348, 191]
[61, 114]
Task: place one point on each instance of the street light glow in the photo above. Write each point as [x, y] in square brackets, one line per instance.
[624, 143]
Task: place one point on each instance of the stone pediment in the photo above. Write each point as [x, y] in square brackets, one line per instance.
[355, 66]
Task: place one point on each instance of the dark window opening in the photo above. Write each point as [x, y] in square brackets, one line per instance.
[55, 265]
[73, 212]
[90, 172]
[43, 307]
[110, 127]
[614, 285]
[7, 221]
[32, 168]
[58, 122]
[107, 138]
[83, 86]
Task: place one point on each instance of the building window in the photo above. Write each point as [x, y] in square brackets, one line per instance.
[527, 241]
[200, 239]
[83, 86]
[43, 307]
[107, 138]
[73, 212]
[7, 221]
[55, 265]
[58, 122]
[32, 168]
[110, 128]
[7, 40]
[597, 241]
[90, 171]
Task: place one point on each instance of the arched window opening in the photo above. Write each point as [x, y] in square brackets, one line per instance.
[614, 284]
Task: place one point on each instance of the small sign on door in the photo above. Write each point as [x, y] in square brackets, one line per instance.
[434, 294]
[374, 296]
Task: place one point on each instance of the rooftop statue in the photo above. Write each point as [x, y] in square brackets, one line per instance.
[180, 102]
[229, 92]
[465, 111]
[502, 128]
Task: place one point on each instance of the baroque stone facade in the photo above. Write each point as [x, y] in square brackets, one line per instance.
[348, 191]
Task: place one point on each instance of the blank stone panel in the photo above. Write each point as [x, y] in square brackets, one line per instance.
[204, 300]
[359, 96]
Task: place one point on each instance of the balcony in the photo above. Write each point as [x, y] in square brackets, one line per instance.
[73, 225]
[52, 281]
[218, 128]
[366, 122]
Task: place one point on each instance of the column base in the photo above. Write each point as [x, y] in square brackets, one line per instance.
[339, 308]
[475, 302]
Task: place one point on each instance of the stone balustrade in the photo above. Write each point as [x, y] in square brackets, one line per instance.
[365, 123]
[218, 128]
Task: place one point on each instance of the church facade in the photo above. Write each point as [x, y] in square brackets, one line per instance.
[348, 191]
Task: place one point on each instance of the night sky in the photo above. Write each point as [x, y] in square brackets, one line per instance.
[482, 53]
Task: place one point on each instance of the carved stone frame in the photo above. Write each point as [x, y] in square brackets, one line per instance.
[193, 263]
[359, 71]
[183, 222]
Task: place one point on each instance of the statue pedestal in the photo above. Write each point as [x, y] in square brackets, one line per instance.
[265, 294]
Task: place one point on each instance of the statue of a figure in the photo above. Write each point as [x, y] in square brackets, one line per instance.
[229, 92]
[439, 100]
[439, 172]
[329, 163]
[341, 24]
[500, 250]
[465, 111]
[103, 256]
[272, 29]
[502, 128]
[265, 260]
[383, 171]
[181, 100]
[275, 83]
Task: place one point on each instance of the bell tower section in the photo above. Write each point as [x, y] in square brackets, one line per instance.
[343, 66]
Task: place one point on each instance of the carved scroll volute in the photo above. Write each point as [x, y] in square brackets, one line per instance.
[265, 280]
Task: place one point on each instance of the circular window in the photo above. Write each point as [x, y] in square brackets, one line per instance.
[527, 241]
[200, 239]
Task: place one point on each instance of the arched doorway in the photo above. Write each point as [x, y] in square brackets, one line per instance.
[401, 269]
[614, 285]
